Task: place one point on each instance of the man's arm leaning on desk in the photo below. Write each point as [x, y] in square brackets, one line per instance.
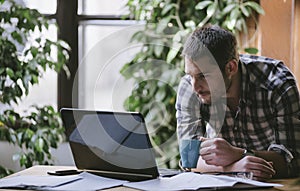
[218, 155]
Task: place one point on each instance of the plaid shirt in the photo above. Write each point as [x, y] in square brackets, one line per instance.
[268, 117]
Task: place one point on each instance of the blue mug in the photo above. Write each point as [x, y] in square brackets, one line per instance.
[189, 152]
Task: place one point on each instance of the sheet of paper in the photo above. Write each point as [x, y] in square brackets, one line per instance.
[89, 182]
[83, 181]
[183, 181]
[36, 181]
[193, 181]
[249, 181]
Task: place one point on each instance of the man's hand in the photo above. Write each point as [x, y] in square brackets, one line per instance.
[261, 169]
[219, 152]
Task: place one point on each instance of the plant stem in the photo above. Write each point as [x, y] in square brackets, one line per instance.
[180, 25]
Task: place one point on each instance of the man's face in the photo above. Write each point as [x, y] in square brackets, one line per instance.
[207, 80]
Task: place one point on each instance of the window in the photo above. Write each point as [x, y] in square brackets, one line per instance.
[100, 40]
[44, 7]
[99, 50]
[48, 83]
[104, 49]
[101, 7]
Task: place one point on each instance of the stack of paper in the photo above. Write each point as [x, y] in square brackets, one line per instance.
[193, 181]
[34, 182]
[87, 181]
[83, 181]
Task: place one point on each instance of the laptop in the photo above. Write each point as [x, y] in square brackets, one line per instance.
[111, 144]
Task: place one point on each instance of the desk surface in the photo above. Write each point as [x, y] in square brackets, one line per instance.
[289, 184]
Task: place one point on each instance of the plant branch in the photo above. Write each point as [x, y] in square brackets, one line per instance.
[180, 25]
[159, 36]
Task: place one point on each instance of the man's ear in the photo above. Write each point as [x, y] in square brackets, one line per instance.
[231, 67]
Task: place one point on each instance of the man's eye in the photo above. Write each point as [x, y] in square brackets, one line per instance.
[201, 76]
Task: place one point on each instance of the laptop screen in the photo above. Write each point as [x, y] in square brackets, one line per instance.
[112, 144]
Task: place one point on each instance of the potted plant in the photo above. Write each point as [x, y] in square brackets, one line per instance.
[167, 23]
[25, 54]
[35, 134]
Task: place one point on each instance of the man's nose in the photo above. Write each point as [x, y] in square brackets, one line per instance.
[197, 84]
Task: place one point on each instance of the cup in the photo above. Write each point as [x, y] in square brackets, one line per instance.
[189, 153]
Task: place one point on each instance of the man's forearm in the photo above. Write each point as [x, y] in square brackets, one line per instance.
[278, 161]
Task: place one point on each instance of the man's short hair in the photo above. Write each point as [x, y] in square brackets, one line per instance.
[221, 44]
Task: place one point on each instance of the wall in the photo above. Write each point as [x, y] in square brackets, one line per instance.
[279, 29]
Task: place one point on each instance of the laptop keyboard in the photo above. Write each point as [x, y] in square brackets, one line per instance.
[165, 172]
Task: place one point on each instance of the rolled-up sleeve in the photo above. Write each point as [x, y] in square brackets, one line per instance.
[287, 133]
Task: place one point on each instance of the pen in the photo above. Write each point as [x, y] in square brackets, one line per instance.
[248, 175]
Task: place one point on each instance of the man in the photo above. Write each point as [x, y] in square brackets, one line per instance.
[247, 108]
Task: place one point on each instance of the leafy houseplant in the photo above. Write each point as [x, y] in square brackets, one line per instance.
[167, 24]
[25, 53]
[36, 133]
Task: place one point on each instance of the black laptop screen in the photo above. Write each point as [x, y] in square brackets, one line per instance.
[109, 141]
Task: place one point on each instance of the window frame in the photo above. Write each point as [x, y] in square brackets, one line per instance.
[68, 22]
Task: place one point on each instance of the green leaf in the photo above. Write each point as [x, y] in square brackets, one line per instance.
[255, 6]
[251, 50]
[23, 160]
[34, 51]
[2, 70]
[233, 19]
[245, 11]
[17, 37]
[162, 24]
[228, 8]
[34, 79]
[167, 8]
[211, 9]
[201, 5]
[158, 49]
[138, 36]
[235, 14]
[244, 26]
[10, 72]
[18, 91]
[47, 48]
[19, 74]
[190, 24]
[173, 52]
[160, 94]
[39, 145]
[39, 157]
[238, 25]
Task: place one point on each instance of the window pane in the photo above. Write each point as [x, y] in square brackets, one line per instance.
[43, 6]
[105, 50]
[102, 7]
[47, 85]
